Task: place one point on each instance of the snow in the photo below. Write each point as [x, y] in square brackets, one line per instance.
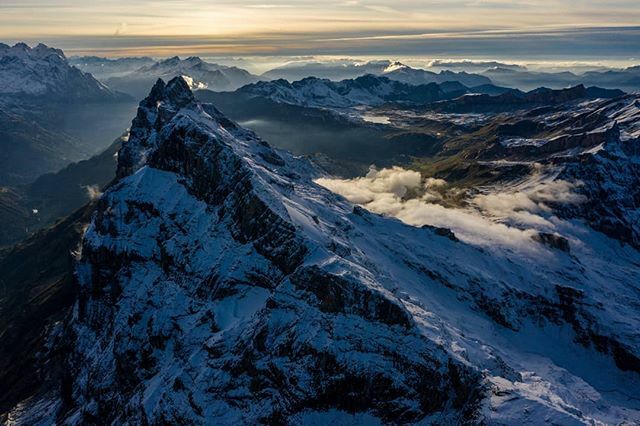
[43, 71]
[321, 93]
[207, 294]
[514, 142]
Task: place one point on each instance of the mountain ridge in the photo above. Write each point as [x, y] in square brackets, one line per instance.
[289, 304]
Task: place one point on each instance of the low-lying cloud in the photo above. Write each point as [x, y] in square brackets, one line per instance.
[93, 192]
[507, 218]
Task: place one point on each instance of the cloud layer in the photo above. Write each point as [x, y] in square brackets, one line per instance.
[500, 29]
[507, 218]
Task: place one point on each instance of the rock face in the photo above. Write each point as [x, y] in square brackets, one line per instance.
[259, 329]
[218, 284]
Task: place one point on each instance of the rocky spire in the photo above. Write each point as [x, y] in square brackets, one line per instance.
[162, 104]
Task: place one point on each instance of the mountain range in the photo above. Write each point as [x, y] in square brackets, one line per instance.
[218, 278]
[44, 72]
[370, 243]
[370, 90]
[627, 79]
[135, 76]
[393, 70]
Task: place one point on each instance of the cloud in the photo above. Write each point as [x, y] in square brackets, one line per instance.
[93, 191]
[122, 27]
[507, 218]
[376, 185]
[528, 205]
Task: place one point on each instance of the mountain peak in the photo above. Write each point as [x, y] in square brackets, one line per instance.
[44, 71]
[175, 93]
[395, 66]
[164, 101]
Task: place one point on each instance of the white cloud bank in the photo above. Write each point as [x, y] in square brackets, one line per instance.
[509, 218]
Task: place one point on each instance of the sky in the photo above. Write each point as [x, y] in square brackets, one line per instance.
[470, 28]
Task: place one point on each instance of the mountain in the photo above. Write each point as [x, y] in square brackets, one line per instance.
[627, 79]
[199, 74]
[343, 70]
[44, 72]
[597, 145]
[592, 142]
[104, 68]
[368, 90]
[400, 72]
[332, 70]
[472, 66]
[51, 113]
[218, 282]
[511, 100]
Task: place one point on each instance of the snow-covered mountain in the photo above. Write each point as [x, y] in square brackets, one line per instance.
[627, 79]
[43, 72]
[342, 70]
[597, 144]
[51, 113]
[198, 73]
[104, 68]
[219, 283]
[368, 90]
[511, 100]
[406, 74]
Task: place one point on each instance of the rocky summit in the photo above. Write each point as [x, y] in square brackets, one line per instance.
[218, 283]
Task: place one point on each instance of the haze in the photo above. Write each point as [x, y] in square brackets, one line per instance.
[518, 29]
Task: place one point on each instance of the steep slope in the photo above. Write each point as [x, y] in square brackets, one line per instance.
[36, 293]
[219, 284]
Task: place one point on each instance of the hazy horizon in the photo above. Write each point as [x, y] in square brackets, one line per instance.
[521, 30]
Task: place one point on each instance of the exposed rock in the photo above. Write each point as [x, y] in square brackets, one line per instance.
[553, 240]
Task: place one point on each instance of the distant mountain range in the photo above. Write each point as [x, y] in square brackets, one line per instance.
[627, 79]
[44, 73]
[349, 70]
[366, 90]
[483, 72]
[135, 75]
[370, 90]
[512, 100]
